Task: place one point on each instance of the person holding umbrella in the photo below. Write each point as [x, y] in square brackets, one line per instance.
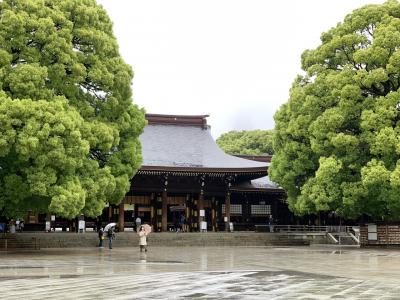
[111, 236]
[110, 233]
[144, 230]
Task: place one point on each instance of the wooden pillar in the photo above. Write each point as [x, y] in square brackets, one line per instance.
[110, 213]
[213, 215]
[159, 212]
[121, 217]
[187, 213]
[136, 210]
[227, 210]
[190, 213]
[153, 204]
[200, 206]
[274, 208]
[217, 212]
[164, 220]
[246, 213]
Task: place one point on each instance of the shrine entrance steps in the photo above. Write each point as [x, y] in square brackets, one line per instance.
[19, 241]
[36, 240]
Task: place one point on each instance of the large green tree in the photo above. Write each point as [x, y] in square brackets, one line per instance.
[68, 128]
[250, 142]
[337, 141]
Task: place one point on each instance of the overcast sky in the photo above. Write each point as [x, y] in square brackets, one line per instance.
[232, 59]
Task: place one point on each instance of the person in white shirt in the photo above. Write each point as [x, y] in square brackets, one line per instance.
[142, 239]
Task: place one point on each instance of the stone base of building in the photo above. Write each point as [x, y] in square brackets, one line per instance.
[166, 239]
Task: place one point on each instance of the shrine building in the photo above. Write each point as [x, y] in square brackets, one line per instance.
[186, 178]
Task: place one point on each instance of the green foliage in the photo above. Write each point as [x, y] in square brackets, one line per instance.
[253, 142]
[68, 128]
[336, 141]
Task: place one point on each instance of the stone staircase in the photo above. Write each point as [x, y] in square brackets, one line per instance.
[224, 239]
[19, 241]
[172, 239]
[344, 238]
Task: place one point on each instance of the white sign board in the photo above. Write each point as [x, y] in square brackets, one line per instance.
[202, 212]
[128, 207]
[81, 225]
[53, 217]
[48, 226]
[372, 232]
[203, 226]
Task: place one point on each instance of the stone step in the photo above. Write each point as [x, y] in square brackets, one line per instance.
[345, 238]
[129, 239]
[12, 241]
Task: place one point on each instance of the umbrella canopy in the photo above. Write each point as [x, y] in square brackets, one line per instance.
[109, 225]
[147, 228]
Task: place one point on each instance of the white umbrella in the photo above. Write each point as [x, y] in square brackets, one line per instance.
[147, 229]
[108, 226]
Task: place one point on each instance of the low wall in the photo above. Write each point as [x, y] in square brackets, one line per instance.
[129, 239]
[380, 235]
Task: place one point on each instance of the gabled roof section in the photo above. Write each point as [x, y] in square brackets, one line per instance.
[184, 143]
[262, 184]
[262, 158]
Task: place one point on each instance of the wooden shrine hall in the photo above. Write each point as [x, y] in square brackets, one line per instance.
[186, 181]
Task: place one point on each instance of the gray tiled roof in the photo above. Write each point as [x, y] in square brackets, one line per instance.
[264, 183]
[187, 146]
[259, 183]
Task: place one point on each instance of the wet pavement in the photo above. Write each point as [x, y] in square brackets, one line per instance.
[324, 272]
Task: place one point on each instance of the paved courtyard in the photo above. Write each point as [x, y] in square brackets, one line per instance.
[201, 273]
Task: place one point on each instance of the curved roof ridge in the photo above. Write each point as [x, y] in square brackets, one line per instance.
[213, 153]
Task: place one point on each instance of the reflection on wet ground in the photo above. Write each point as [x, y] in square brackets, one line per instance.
[202, 273]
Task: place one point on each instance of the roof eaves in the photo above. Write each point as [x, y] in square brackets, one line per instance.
[262, 170]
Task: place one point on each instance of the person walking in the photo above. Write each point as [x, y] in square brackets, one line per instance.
[271, 223]
[12, 226]
[101, 237]
[111, 236]
[138, 222]
[142, 239]
[98, 224]
[182, 222]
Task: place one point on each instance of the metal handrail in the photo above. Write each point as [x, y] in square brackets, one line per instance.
[312, 228]
[333, 238]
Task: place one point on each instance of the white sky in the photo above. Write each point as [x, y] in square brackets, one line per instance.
[232, 59]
